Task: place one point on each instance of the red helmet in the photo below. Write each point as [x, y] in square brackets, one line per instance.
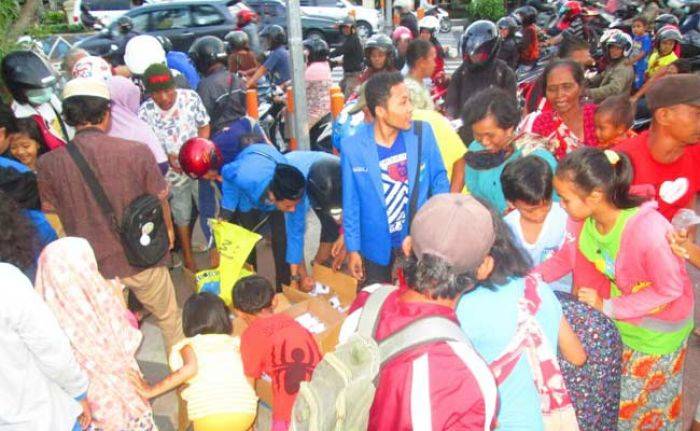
[198, 156]
[245, 16]
[570, 10]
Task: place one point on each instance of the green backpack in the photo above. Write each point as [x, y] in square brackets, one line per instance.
[341, 391]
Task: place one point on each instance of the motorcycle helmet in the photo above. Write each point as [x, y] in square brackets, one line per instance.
[403, 6]
[236, 40]
[348, 21]
[275, 35]
[245, 17]
[507, 23]
[618, 38]
[323, 186]
[480, 43]
[400, 33]
[527, 14]
[104, 48]
[379, 41]
[124, 24]
[141, 52]
[28, 77]
[317, 49]
[429, 23]
[665, 19]
[206, 51]
[92, 67]
[570, 10]
[668, 32]
[198, 156]
[165, 42]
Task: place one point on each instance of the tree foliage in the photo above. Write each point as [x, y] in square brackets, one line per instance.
[486, 9]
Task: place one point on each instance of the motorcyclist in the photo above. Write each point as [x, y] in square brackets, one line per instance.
[667, 39]
[529, 46]
[247, 22]
[507, 26]
[379, 56]
[570, 23]
[241, 59]
[178, 60]
[352, 53]
[124, 33]
[404, 8]
[665, 19]
[145, 50]
[278, 63]
[31, 82]
[692, 20]
[480, 69]
[428, 28]
[401, 37]
[618, 76]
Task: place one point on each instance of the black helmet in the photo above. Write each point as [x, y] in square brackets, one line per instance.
[380, 41]
[665, 19]
[324, 188]
[206, 51]
[275, 34]
[105, 48]
[527, 14]
[165, 43]
[124, 24]
[480, 42]
[317, 48]
[25, 70]
[236, 40]
[509, 23]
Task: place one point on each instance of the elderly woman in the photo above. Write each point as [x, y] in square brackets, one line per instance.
[493, 114]
[569, 125]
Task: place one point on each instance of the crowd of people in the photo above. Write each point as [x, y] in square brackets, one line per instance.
[521, 252]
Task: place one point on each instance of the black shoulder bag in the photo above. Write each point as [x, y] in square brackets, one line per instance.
[413, 203]
[142, 231]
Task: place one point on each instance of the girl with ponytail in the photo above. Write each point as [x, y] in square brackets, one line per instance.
[622, 265]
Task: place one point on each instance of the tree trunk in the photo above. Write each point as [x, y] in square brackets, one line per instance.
[27, 16]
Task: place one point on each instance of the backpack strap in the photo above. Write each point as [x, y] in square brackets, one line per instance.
[423, 331]
[413, 203]
[370, 312]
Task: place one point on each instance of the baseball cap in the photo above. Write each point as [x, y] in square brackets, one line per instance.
[91, 87]
[679, 89]
[456, 228]
[158, 77]
[361, 101]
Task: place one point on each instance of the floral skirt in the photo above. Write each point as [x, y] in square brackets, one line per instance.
[143, 423]
[651, 391]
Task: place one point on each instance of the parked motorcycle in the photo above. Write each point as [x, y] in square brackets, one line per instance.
[442, 15]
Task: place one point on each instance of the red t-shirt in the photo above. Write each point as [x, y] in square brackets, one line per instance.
[284, 350]
[442, 385]
[674, 184]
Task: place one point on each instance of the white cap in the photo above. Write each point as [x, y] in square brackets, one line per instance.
[86, 87]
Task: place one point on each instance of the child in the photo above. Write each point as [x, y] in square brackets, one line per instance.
[666, 39]
[640, 49]
[623, 266]
[26, 145]
[273, 344]
[218, 395]
[613, 121]
[537, 224]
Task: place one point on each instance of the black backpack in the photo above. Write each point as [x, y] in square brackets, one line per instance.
[143, 234]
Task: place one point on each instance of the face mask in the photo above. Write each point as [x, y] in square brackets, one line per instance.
[39, 96]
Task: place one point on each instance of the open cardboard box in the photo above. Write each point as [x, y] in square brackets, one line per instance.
[342, 285]
[239, 325]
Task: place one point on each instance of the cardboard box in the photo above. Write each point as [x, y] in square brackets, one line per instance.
[342, 285]
[321, 310]
[239, 325]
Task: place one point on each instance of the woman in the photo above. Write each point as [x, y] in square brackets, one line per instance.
[125, 124]
[89, 310]
[569, 124]
[492, 114]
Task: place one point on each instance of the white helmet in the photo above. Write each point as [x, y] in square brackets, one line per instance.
[430, 23]
[141, 52]
[619, 38]
[406, 5]
[92, 67]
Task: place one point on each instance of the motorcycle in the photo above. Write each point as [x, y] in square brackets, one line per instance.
[442, 16]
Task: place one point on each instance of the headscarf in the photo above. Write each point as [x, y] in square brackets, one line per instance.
[126, 124]
[92, 316]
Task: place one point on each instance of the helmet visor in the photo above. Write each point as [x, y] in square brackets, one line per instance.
[480, 53]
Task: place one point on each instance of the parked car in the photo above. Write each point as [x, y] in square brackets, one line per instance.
[312, 25]
[369, 21]
[104, 10]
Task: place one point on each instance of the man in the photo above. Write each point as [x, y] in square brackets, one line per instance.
[278, 63]
[420, 57]
[125, 170]
[618, 76]
[353, 56]
[379, 165]
[175, 115]
[443, 384]
[666, 159]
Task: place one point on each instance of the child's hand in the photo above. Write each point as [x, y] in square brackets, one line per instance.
[142, 387]
[678, 239]
[590, 296]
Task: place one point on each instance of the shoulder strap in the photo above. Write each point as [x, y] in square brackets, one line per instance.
[418, 333]
[93, 183]
[370, 312]
[418, 129]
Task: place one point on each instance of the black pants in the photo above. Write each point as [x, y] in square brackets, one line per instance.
[376, 273]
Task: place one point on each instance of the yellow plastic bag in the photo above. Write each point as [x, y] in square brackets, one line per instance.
[234, 244]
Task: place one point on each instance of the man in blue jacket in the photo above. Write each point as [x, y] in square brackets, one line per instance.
[379, 165]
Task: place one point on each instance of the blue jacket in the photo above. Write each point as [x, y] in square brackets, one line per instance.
[246, 178]
[181, 62]
[364, 208]
[295, 222]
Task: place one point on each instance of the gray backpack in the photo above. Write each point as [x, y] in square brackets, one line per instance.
[341, 390]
